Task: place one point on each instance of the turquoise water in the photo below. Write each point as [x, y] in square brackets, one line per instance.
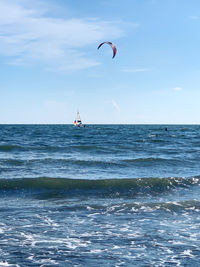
[115, 195]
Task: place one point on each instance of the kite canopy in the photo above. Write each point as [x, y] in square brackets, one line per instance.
[112, 45]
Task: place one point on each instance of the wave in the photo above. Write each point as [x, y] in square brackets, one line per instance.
[59, 161]
[8, 148]
[42, 148]
[59, 148]
[104, 187]
[150, 159]
[135, 207]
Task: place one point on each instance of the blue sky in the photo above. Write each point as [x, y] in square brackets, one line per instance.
[50, 66]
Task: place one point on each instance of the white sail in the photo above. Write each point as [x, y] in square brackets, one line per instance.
[78, 118]
[78, 121]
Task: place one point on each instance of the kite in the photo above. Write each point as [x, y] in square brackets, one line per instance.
[112, 45]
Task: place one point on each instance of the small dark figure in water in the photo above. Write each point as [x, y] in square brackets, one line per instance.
[166, 129]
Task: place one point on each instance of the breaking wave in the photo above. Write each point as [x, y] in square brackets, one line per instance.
[104, 187]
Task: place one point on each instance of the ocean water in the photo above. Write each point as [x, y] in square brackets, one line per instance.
[109, 195]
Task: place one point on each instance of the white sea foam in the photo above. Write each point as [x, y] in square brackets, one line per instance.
[5, 263]
[97, 251]
[50, 222]
[46, 261]
[134, 234]
[89, 208]
[31, 257]
[124, 229]
[175, 260]
[116, 247]
[134, 209]
[29, 239]
[71, 243]
[151, 135]
[187, 253]
[146, 209]
[94, 214]
[120, 263]
[2, 230]
[168, 250]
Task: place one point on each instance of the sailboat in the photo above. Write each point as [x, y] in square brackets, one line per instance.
[77, 121]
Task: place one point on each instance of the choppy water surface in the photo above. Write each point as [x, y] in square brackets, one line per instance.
[115, 195]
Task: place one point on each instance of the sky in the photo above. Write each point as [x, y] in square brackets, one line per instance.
[50, 66]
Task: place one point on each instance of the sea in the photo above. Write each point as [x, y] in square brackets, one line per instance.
[100, 195]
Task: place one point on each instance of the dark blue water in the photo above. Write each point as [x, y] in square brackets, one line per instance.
[115, 195]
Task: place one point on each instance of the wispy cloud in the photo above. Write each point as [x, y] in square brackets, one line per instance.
[115, 105]
[134, 70]
[177, 88]
[194, 17]
[29, 36]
